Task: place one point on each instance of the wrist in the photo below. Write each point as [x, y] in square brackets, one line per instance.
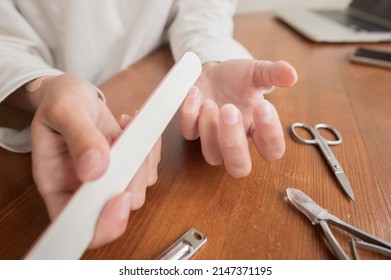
[35, 88]
[27, 99]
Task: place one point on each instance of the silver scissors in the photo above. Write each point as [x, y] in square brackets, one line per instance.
[324, 144]
[320, 216]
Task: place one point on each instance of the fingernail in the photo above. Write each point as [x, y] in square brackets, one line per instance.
[209, 104]
[126, 203]
[124, 118]
[266, 90]
[194, 92]
[265, 112]
[89, 162]
[230, 114]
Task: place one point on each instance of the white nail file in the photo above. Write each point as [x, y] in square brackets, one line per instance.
[70, 234]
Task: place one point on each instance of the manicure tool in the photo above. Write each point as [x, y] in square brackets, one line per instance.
[185, 247]
[323, 144]
[320, 216]
[70, 234]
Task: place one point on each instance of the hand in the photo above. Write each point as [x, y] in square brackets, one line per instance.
[71, 136]
[227, 106]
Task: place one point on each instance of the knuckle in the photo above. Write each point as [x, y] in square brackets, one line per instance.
[232, 146]
[57, 108]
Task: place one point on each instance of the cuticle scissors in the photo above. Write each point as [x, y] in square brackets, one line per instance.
[323, 144]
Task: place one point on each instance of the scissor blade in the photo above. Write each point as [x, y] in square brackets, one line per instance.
[305, 204]
[344, 182]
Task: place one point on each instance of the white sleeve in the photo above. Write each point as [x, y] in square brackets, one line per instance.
[24, 56]
[204, 27]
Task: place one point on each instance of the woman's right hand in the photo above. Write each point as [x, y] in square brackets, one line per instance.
[72, 132]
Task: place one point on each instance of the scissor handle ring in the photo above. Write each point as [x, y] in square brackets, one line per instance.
[331, 128]
[317, 137]
[301, 139]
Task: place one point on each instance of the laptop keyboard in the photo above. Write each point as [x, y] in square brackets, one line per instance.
[352, 21]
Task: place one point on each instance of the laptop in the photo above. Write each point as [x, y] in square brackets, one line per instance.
[362, 21]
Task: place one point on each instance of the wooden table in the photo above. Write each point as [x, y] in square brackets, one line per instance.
[246, 218]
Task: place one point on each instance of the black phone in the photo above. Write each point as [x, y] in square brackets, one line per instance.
[372, 57]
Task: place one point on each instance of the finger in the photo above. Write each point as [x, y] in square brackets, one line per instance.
[145, 176]
[233, 142]
[113, 220]
[124, 120]
[268, 135]
[279, 73]
[90, 151]
[209, 132]
[189, 114]
[52, 167]
[138, 186]
[88, 146]
[55, 202]
[153, 162]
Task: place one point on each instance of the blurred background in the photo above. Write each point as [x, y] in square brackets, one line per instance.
[245, 6]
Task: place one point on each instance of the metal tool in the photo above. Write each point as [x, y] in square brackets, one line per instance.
[185, 247]
[323, 144]
[320, 216]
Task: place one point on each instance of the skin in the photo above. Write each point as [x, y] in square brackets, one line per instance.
[73, 129]
[224, 111]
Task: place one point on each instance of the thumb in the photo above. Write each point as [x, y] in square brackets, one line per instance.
[279, 73]
[91, 162]
[88, 147]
